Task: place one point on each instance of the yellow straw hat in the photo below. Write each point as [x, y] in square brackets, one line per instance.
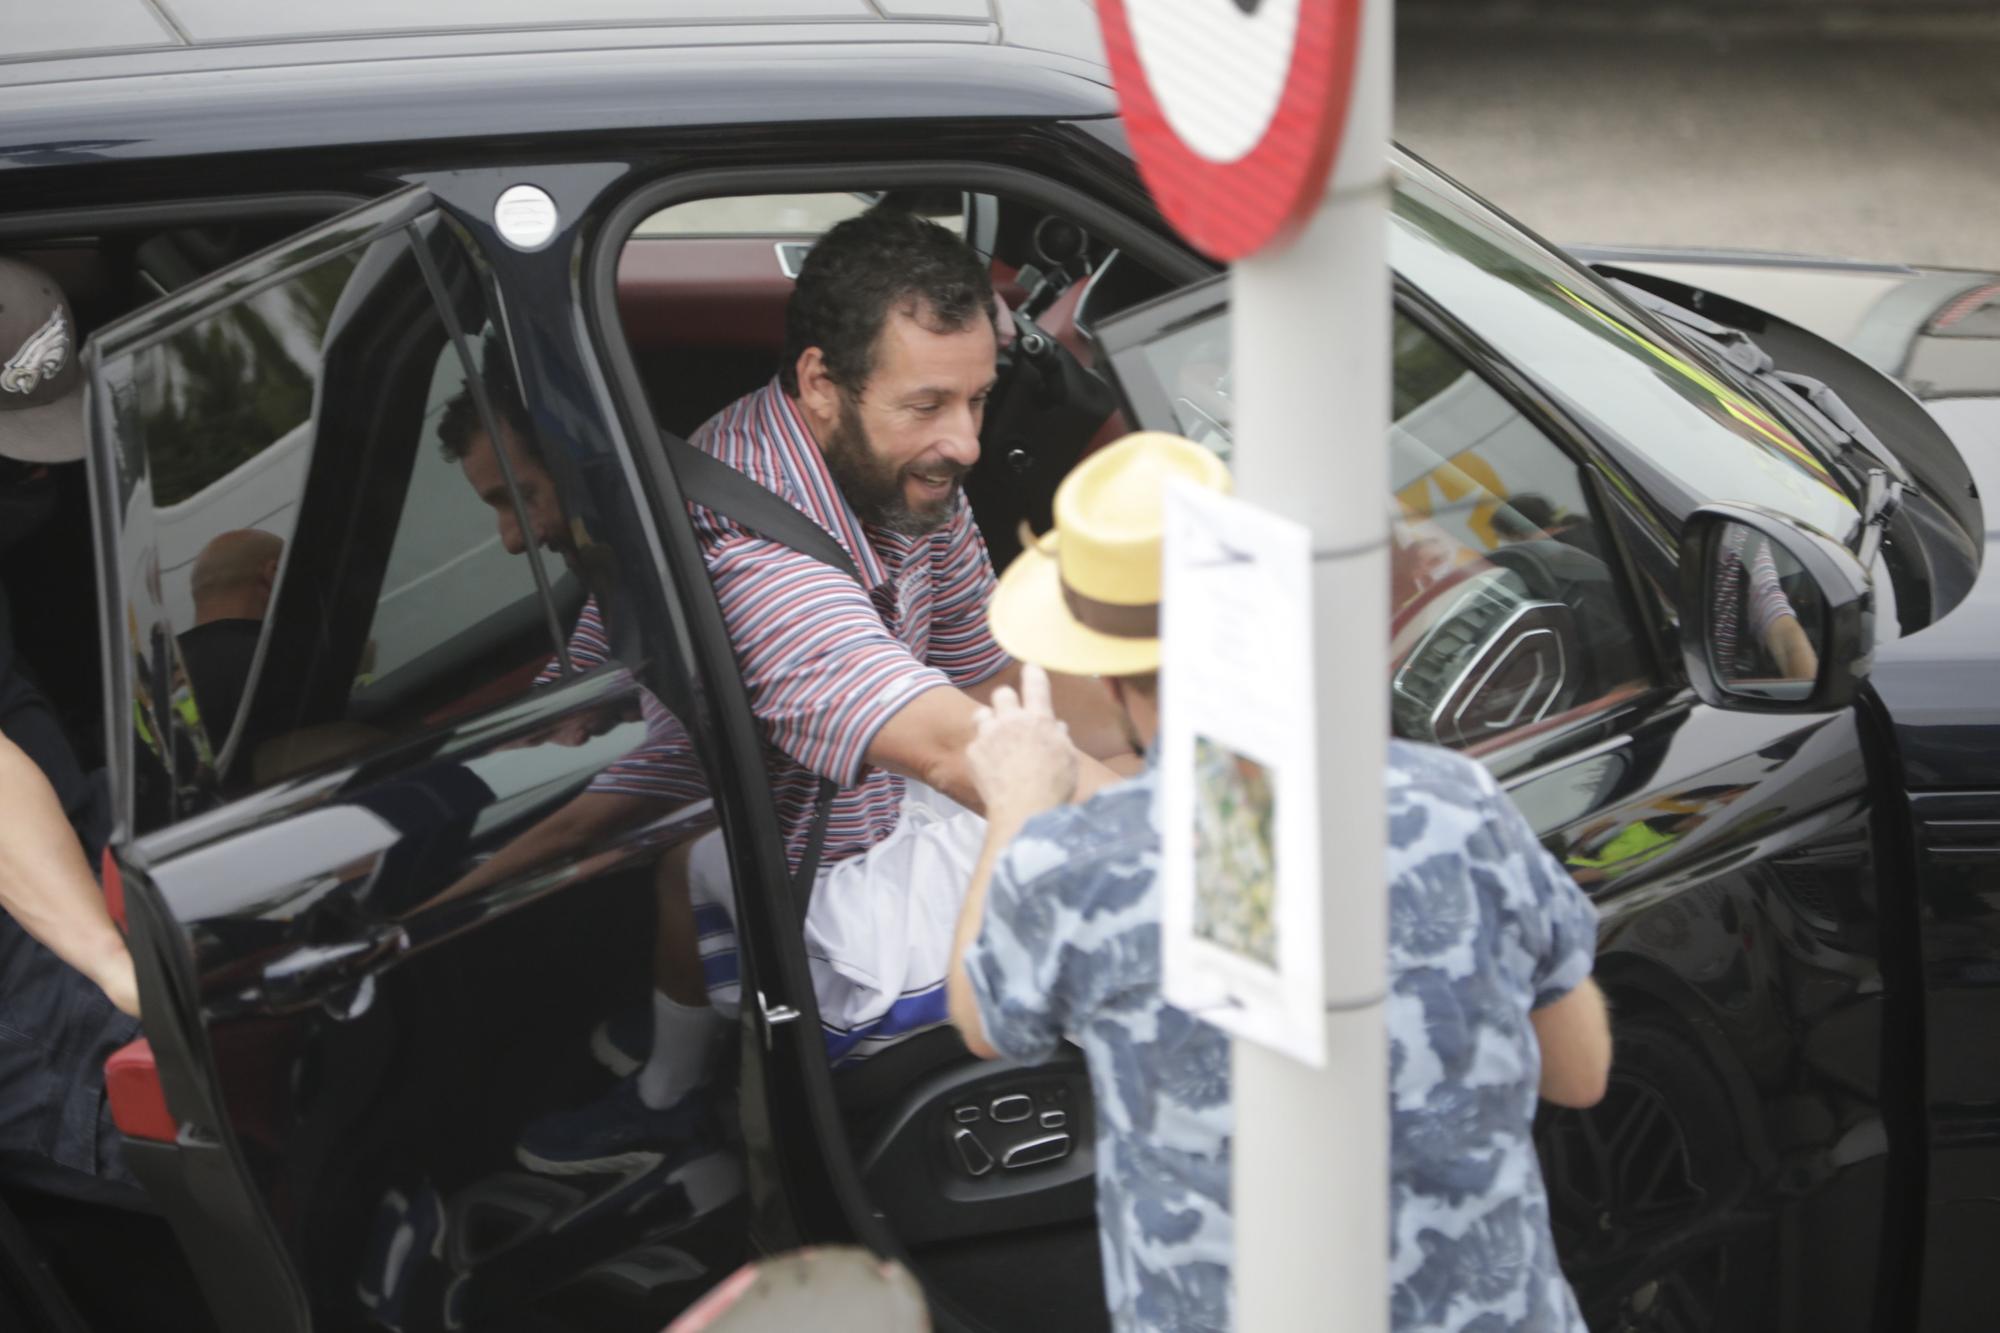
[1085, 598]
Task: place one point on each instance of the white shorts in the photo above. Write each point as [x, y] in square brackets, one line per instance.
[880, 924]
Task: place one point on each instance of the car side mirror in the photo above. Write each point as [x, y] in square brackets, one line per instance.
[1775, 616]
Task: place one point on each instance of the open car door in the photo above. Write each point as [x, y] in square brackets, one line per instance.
[392, 912]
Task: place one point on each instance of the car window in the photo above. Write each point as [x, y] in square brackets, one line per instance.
[1507, 609]
[317, 577]
[1609, 362]
[769, 215]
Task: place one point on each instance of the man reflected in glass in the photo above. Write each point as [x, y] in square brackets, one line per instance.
[1756, 631]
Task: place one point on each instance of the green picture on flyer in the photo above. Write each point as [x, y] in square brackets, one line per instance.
[1235, 859]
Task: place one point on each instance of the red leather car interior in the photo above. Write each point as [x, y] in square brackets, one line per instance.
[703, 292]
[138, 1102]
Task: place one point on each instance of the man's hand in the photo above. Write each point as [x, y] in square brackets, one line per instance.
[1021, 758]
[46, 885]
[1792, 647]
[1021, 763]
[115, 976]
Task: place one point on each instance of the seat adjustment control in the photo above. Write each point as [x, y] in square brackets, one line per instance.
[1054, 1119]
[1008, 1109]
[1034, 1152]
[972, 1154]
[965, 1115]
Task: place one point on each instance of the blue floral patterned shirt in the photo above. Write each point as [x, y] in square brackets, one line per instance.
[1484, 926]
[1071, 948]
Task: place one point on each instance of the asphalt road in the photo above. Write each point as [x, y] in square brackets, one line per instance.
[1863, 146]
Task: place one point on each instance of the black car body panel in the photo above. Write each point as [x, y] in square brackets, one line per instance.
[1733, 858]
[1798, 1129]
[339, 83]
[1859, 325]
[1937, 689]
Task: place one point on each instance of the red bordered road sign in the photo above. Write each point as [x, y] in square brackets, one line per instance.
[1234, 107]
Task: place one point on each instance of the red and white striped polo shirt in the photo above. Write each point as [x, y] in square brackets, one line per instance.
[826, 663]
[664, 766]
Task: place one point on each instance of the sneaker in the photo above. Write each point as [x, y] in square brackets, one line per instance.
[403, 1281]
[618, 1133]
[676, 1193]
[503, 1211]
[623, 1042]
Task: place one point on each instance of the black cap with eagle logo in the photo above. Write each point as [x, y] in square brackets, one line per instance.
[41, 403]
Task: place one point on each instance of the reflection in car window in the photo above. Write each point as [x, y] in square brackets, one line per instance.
[1606, 359]
[326, 578]
[1506, 609]
[452, 569]
[226, 389]
[1191, 364]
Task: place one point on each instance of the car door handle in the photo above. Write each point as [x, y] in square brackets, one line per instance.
[310, 971]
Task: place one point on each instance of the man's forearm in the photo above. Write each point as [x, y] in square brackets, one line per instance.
[927, 740]
[573, 828]
[1793, 649]
[971, 917]
[952, 776]
[46, 884]
[949, 774]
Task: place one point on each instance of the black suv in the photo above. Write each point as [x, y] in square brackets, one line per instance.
[395, 913]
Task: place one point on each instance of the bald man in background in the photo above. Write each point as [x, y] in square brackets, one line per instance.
[232, 582]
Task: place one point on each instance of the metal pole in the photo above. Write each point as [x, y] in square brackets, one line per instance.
[1311, 369]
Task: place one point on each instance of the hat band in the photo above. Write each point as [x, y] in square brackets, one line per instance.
[1119, 620]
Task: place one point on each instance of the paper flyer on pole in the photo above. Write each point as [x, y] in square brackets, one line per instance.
[1240, 917]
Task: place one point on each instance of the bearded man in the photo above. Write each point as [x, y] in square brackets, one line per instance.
[868, 429]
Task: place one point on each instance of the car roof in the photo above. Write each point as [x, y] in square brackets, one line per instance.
[95, 81]
[43, 39]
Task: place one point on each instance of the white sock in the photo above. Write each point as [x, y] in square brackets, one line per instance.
[683, 1040]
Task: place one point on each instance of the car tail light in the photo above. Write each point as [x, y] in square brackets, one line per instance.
[138, 1102]
[114, 889]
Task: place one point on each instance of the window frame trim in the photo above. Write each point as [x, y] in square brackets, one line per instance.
[401, 211]
[1594, 461]
[254, 274]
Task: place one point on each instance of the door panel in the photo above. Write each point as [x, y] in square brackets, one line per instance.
[383, 1049]
[1958, 842]
[1733, 1175]
[397, 902]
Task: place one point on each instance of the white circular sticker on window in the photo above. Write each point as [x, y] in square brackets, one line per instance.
[525, 217]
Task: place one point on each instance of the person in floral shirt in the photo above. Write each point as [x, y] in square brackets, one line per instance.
[1490, 951]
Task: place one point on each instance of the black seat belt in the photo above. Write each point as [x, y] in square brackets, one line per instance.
[714, 485]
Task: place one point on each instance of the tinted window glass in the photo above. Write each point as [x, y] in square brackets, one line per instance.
[326, 580]
[1506, 608]
[230, 387]
[1611, 363]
